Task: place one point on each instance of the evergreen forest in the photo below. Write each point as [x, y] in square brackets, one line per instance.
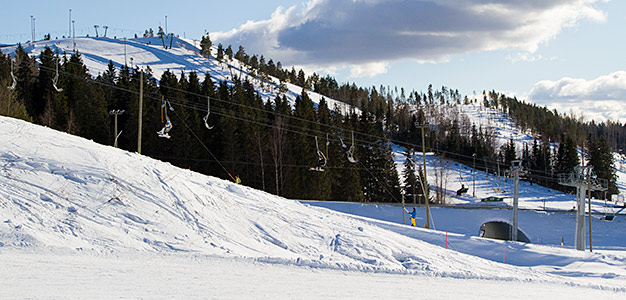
[272, 145]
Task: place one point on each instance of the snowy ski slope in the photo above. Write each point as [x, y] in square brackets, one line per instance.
[62, 196]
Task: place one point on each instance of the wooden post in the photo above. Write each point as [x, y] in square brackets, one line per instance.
[589, 193]
[426, 199]
[140, 112]
[115, 142]
[474, 175]
[403, 209]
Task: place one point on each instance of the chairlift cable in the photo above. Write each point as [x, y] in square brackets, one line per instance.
[400, 143]
[205, 147]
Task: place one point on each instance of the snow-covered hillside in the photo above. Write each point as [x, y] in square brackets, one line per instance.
[502, 128]
[183, 56]
[63, 195]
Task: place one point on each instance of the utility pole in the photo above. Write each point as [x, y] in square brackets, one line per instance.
[474, 174]
[125, 63]
[582, 178]
[32, 31]
[516, 169]
[425, 185]
[74, 35]
[96, 27]
[486, 171]
[403, 209]
[69, 25]
[165, 24]
[115, 113]
[105, 30]
[140, 111]
[589, 193]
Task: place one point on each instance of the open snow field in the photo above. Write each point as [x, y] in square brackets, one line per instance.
[154, 276]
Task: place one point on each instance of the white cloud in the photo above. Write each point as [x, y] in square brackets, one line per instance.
[596, 99]
[368, 70]
[363, 32]
[528, 57]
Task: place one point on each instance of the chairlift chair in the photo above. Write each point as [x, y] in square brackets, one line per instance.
[350, 151]
[12, 87]
[56, 77]
[164, 132]
[608, 217]
[208, 111]
[321, 162]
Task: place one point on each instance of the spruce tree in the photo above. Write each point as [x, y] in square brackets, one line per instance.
[601, 159]
[346, 183]
[205, 46]
[567, 157]
[510, 153]
[302, 149]
[410, 179]
[26, 75]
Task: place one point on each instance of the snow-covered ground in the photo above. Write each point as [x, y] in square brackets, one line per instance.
[79, 220]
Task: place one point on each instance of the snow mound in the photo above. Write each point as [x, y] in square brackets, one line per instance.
[59, 191]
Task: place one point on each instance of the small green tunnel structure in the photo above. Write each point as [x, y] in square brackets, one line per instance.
[502, 231]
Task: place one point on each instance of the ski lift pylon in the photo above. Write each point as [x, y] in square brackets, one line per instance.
[208, 111]
[56, 77]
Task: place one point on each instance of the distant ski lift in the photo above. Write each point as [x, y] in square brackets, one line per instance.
[208, 111]
[56, 77]
[12, 87]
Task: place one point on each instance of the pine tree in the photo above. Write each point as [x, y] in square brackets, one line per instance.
[302, 150]
[229, 52]
[567, 157]
[379, 176]
[220, 52]
[323, 181]
[9, 105]
[410, 179]
[25, 73]
[43, 95]
[601, 159]
[510, 153]
[346, 183]
[205, 46]
[278, 142]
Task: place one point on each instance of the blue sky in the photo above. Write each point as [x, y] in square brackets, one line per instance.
[566, 54]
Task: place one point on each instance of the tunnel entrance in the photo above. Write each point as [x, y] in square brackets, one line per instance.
[502, 231]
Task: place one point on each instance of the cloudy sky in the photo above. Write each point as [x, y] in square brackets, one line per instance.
[565, 54]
